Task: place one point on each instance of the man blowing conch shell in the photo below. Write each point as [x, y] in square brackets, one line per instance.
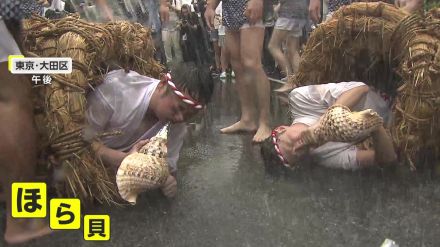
[140, 106]
[310, 107]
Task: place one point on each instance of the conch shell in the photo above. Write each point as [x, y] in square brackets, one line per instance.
[146, 170]
[339, 124]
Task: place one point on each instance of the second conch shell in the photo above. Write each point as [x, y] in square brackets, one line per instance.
[145, 170]
[339, 124]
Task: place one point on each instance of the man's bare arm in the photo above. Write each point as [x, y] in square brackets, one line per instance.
[106, 10]
[383, 152]
[111, 158]
[164, 11]
[412, 6]
[210, 12]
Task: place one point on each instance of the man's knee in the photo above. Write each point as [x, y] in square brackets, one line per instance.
[273, 47]
[251, 63]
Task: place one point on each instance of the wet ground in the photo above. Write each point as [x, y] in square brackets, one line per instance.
[226, 198]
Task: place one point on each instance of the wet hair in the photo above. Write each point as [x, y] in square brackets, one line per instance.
[194, 80]
[185, 6]
[270, 155]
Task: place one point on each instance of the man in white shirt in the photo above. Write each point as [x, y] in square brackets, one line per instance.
[139, 106]
[307, 105]
[171, 32]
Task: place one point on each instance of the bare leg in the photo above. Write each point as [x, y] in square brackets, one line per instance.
[216, 55]
[293, 52]
[18, 150]
[278, 37]
[224, 58]
[251, 47]
[248, 108]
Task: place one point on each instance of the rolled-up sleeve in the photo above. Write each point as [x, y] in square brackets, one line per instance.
[335, 90]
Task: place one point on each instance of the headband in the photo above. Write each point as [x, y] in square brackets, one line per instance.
[186, 99]
[277, 148]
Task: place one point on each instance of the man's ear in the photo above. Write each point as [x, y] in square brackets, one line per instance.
[162, 87]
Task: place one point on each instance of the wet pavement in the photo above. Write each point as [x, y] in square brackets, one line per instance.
[226, 198]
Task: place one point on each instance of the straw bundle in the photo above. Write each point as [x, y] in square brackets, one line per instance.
[352, 45]
[391, 50]
[60, 107]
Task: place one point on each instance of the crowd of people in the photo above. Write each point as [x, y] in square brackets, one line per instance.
[194, 40]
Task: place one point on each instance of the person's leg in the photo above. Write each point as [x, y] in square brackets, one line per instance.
[176, 46]
[248, 108]
[167, 45]
[18, 150]
[255, 78]
[221, 46]
[278, 37]
[293, 52]
[217, 55]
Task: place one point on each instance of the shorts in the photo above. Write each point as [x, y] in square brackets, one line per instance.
[10, 10]
[233, 14]
[221, 40]
[213, 35]
[294, 25]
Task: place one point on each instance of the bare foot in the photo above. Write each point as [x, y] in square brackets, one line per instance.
[35, 228]
[286, 88]
[239, 127]
[263, 132]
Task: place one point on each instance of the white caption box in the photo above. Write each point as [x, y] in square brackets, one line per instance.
[41, 65]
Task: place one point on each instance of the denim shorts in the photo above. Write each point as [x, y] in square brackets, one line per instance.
[294, 25]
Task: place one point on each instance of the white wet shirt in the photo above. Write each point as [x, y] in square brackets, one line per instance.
[120, 103]
[309, 103]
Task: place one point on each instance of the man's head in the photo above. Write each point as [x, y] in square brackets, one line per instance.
[185, 10]
[186, 93]
[283, 147]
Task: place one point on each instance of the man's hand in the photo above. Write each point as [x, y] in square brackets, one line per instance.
[315, 10]
[136, 147]
[409, 6]
[105, 10]
[254, 11]
[164, 12]
[169, 188]
[209, 17]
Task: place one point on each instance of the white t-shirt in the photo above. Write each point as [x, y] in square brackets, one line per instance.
[309, 103]
[120, 103]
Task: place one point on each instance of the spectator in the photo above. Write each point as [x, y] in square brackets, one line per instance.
[244, 40]
[190, 34]
[292, 18]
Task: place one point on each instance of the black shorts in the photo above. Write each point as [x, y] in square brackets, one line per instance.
[233, 13]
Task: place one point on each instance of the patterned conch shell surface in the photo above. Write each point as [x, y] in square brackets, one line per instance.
[146, 170]
[339, 124]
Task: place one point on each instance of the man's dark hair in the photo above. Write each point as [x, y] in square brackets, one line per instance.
[185, 6]
[270, 155]
[193, 80]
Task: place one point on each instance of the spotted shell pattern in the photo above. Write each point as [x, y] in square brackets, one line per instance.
[145, 170]
[339, 124]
